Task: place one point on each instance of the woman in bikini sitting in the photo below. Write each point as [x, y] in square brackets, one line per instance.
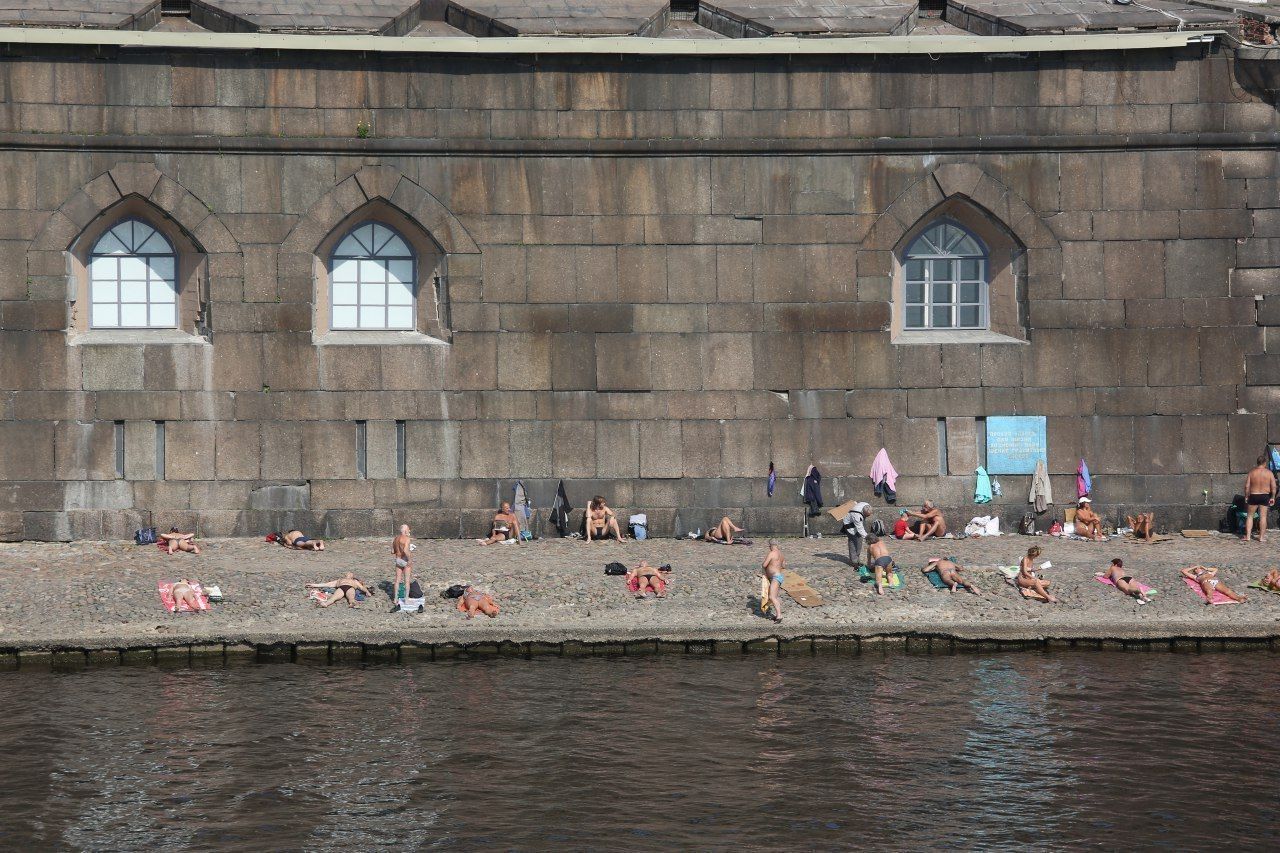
[1030, 581]
[473, 601]
[299, 541]
[722, 533]
[343, 588]
[1207, 578]
[600, 521]
[1124, 582]
[183, 592]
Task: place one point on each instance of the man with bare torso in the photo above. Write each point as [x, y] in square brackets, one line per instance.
[930, 522]
[774, 568]
[1260, 493]
[881, 562]
[400, 550]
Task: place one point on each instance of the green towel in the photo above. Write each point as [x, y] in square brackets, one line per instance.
[936, 579]
[1263, 588]
[867, 575]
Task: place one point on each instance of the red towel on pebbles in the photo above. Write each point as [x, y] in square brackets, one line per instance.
[633, 584]
[166, 597]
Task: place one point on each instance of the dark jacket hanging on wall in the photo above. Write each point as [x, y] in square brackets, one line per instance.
[812, 491]
[560, 509]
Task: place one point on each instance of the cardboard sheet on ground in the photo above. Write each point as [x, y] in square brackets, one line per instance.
[1195, 534]
[796, 587]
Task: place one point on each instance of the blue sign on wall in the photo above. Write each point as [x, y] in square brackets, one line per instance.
[1016, 443]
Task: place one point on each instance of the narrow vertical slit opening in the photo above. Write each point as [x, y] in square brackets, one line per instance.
[159, 450]
[119, 439]
[362, 450]
[401, 461]
[942, 447]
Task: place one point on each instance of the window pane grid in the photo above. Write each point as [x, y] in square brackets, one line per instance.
[945, 283]
[132, 279]
[372, 275]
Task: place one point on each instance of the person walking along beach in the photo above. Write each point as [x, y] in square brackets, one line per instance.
[774, 569]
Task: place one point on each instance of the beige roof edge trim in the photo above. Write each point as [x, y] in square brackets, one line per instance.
[621, 46]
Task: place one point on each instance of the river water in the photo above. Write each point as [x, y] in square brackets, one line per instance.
[976, 752]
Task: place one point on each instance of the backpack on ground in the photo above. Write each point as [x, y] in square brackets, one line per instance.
[145, 536]
[615, 569]
[1027, 527]
[639, 524]
[878, 528]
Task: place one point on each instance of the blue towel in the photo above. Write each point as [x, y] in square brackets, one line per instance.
[982, 490]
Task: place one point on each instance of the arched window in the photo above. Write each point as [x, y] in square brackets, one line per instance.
[372, 277]
[133, 279]
[945, 278]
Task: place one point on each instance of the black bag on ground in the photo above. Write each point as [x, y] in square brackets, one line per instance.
[1027, 527]
[615, 569]
[454, 591]
[145, 536]
[415, 590]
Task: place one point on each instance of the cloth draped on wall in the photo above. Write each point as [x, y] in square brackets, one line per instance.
[1041, 492]
[884, 477]
[982, 489]
[1084, 484]
[811, 490]
[560, 509]
[773, 480]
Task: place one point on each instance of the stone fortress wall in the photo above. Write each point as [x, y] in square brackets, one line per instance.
[659, 275]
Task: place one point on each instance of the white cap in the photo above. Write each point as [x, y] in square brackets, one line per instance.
[1086, 500]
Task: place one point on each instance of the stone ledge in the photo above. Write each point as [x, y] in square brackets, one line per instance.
[957, 336]
[135, 337]
[378, 339]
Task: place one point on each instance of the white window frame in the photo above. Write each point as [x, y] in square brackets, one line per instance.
[152, 276]
[924, 250]
[373, 254]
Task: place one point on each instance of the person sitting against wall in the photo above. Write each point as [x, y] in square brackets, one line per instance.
[722, 533]
[176, 540]
[1124, 581]
[505, 528]
[299, 541]
[600, 521]
[1143, 525]
[929, 522]
[1088, 522]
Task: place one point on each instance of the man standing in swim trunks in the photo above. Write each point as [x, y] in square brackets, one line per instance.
[774, 568]
[404, 561]
[1260, 487]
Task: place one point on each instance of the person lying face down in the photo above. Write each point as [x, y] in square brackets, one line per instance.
[299, 541]
[184, 592]
[600, 521]
[1088, 522]
[723, 532]
[950, 574]
[176, 540]
[645, 578]
[931, 523]
[505, 526]
[1124, 581]
[471, 601]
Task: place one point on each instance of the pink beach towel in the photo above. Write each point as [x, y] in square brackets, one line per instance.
[166, 597]
[1218, 598]
[882, 469]
[1142, 586]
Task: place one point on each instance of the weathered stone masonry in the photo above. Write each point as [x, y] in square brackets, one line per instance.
[658, 275]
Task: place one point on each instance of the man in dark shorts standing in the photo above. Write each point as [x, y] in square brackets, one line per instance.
[1260, 491]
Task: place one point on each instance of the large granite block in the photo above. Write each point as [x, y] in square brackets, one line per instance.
[1247, 437]
[328, 450]
[237, 450]
[189, 448]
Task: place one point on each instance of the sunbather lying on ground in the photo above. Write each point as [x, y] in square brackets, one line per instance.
[299, 541]
[175, 540]
[344, 587]
[1124, 582]
[723, 532]
[645, 578]
[1029, 578]
[1143, 524]
[950, 574]
[183, 591]
[472, 601]
[1208, 580]
[506, 527]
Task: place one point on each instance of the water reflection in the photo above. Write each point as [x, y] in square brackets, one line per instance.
[897, 752]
